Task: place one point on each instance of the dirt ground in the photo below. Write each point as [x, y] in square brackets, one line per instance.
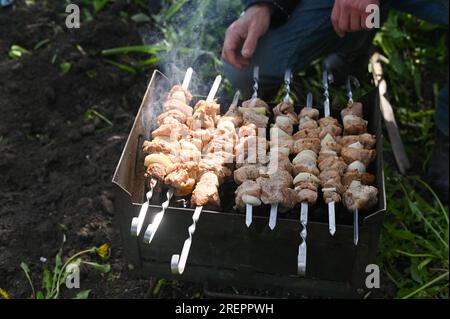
[56, 164]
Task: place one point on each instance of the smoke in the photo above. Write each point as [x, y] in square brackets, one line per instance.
[189, 33]
[192, 32]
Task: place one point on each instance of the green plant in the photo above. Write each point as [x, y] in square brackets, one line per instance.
[53, 279]
[16, 51]
[92, 114]
[414, 247]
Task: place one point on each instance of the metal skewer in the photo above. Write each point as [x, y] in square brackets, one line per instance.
[255, 82]
[287, 82]
[326, 78]
[248, 207]
[273, 216]
[137, 222]
[274, 207]
[327, 111]
[351, 79]
[178, 262]
[355, 227]
[301, 259]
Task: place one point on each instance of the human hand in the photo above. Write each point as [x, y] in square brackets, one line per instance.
[243, 34]
[350, 15]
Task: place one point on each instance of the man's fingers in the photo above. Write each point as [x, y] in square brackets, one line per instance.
[230, 48]
[335, 14]
[355, 21]
[250, 43]
[344, 22]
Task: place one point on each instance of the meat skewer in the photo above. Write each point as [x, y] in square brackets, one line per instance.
[330, 176]
[250, 152]
[357, 153]
[306, 181]
[137, 222]
[209, 182]
[281, 139]
[181, 172]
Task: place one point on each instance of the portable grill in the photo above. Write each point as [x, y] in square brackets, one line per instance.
[224, 250]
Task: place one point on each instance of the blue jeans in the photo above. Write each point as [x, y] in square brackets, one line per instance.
[309, 35]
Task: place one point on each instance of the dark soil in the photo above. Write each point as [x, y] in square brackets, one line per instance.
[56, 164]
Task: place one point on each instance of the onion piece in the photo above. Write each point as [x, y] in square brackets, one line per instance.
[306, 177]
[251, 200]
[356, 166]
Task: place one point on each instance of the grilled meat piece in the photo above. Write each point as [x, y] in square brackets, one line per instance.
[306, 195]
[359, 196]
[312, 144]
[332, 163]
[182, 177]
[366, 139]
[249, 172]
[179, 93]
[271, 189]
[289, 198]
[249, 130]
[234, 115]
[307, 123]
[171, 115]
[364, 178]
[157, 172]
[312, 113]
[174, 131]
[307, 133]
[255, 103]
[353, 109]
[332, 179]
[331, 196]
[354, 125]
[255, 118]
[350, 154]
[249, 192]
[160, 146]
[283, 108]
[174, 104]
[206, 192]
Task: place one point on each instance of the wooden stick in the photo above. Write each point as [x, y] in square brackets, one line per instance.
[388, 114]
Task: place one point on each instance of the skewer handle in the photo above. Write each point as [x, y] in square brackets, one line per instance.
[138, 222]
[332, 218]
[214, 89]
[187, 78]
[351, 79]
[287, 82]
[153, 227]
[255, 81]
[178, 262]
[236, 97]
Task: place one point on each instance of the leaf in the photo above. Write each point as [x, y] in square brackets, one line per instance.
[105, 268]
[122, 66]
[140, 18]
[25, 267]
[65, 67]
[16, 51]
[40, 295]
[41, 44]
[175, 8]
[84, 294]
[47, 282]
